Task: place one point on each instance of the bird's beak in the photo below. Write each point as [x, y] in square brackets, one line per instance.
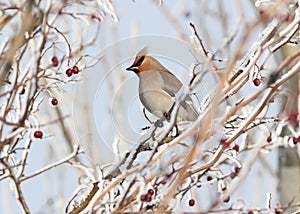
[131, 68]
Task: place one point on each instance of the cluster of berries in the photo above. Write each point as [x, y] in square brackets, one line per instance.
[69, 71]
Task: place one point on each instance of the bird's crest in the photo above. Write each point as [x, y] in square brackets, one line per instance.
[140, 56]
[143, 52]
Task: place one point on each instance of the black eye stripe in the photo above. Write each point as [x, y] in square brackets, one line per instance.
[140, 61]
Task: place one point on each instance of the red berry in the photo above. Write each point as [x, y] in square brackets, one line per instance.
[163, 182]
[256, 82]
[38, 134]
[269, 138]
[232, 175]
[296, 140]
[286, 18]
[54, 101]
[235, 173]
[226, 199]
[293, 117]
[75, 69]
[237, 170]
[250, 212]
[148, 197]
[208, 178]
[236, 148]
[191, 202]
[261, 12]
[23, 91]
[150, 191]
[168, 175]
[54, 61]
[143, 197]
[226, 143]
[60, 11]
[69, 72]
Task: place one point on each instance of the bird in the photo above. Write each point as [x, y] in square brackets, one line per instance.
[158, 88]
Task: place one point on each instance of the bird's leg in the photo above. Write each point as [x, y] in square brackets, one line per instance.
[167, 115]
[153, 133]
[147, 118]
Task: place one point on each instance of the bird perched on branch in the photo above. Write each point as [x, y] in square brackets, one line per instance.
[158, 88]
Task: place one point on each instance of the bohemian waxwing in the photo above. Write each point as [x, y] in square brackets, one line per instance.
[158, 87]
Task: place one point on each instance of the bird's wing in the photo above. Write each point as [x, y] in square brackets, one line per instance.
[171, 83]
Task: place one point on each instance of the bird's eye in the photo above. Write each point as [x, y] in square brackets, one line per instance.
[140, 61]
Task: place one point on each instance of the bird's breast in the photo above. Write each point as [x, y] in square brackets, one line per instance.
[152, 95]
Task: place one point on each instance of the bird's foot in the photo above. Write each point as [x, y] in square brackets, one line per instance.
[145, 128]
[167, 115]
[159, 123]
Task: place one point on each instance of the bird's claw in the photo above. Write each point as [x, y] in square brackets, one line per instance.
[159, 123]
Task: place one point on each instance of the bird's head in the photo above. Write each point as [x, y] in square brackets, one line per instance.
[143, 62]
